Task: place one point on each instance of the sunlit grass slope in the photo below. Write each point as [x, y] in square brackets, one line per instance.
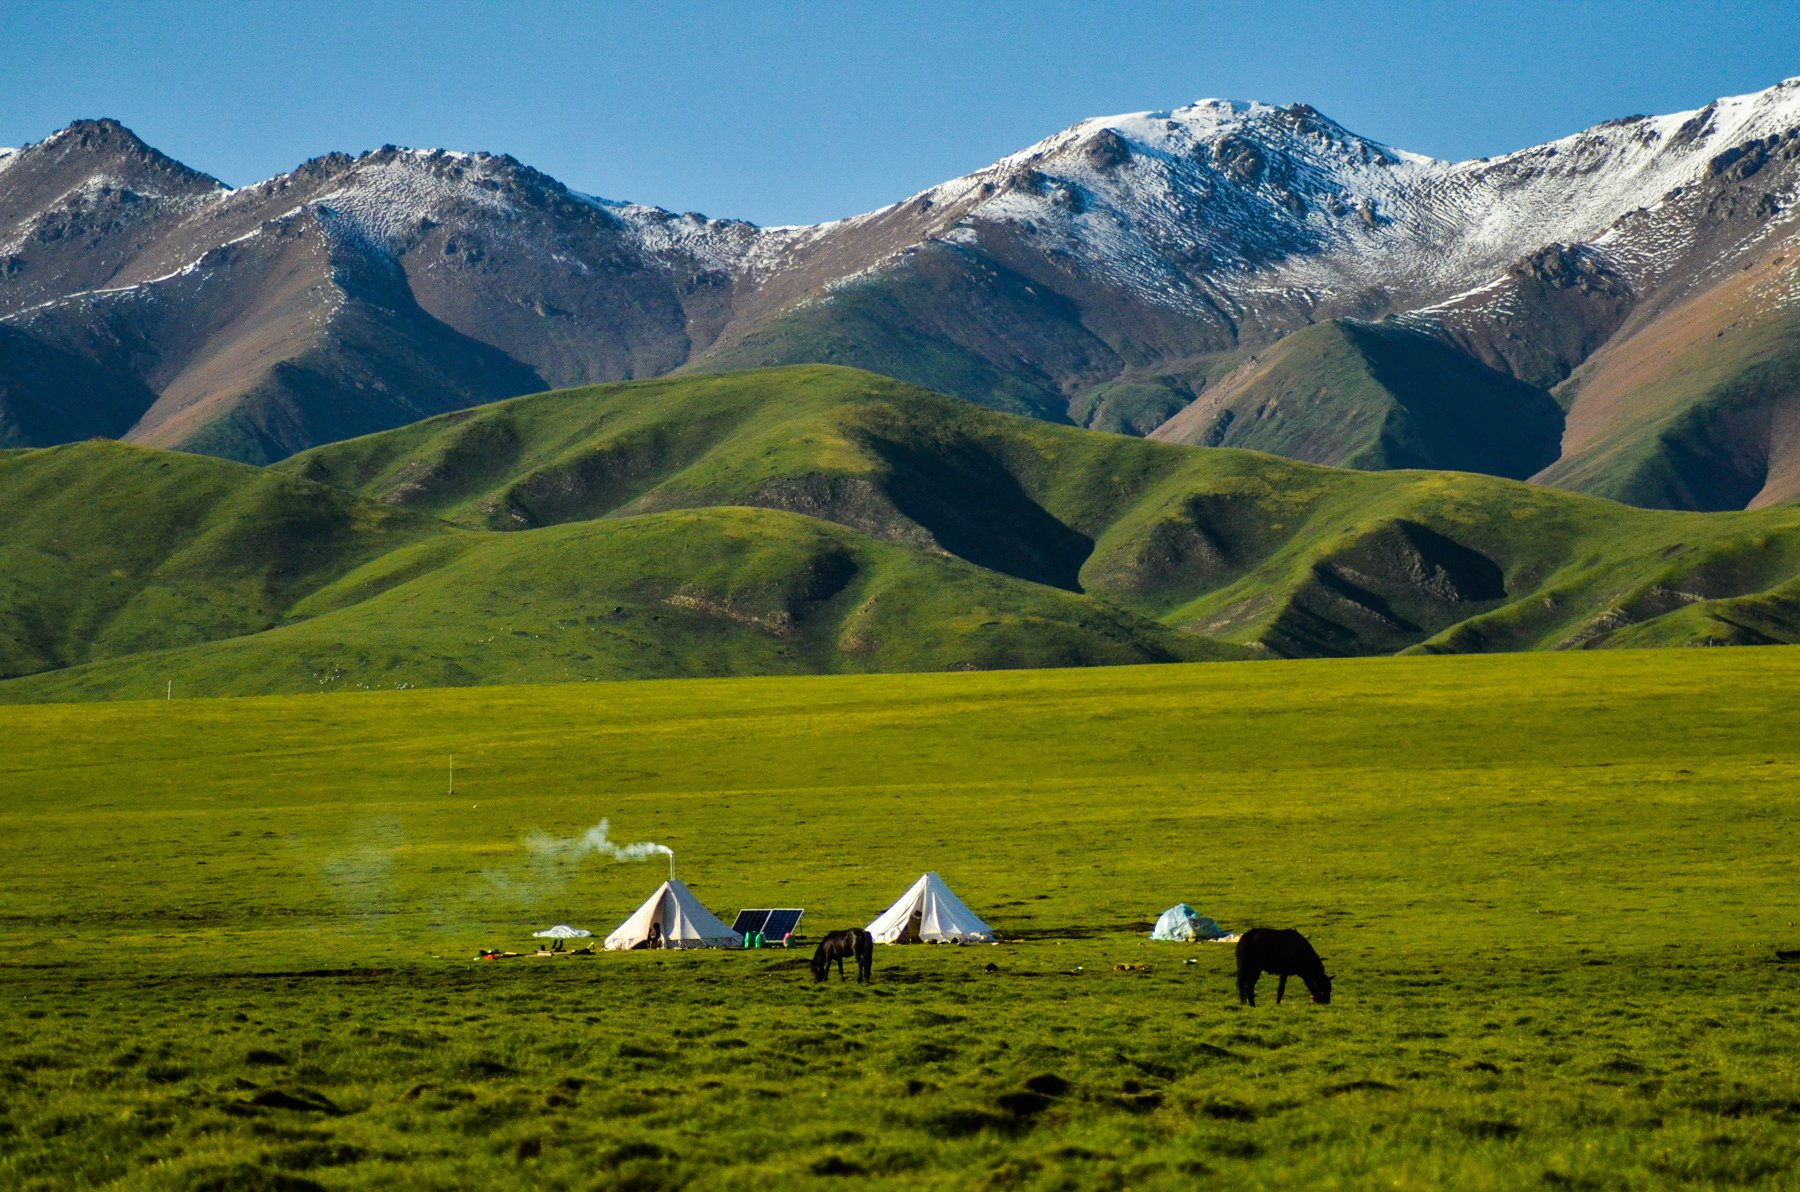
[700, 592]
[1551, 888]
[111, 550]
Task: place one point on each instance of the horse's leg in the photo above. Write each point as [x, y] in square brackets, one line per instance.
[840, 964]
[1281, 988]
[1247, 987]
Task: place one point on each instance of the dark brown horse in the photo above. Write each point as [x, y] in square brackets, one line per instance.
[853, 942]
[1284, 952]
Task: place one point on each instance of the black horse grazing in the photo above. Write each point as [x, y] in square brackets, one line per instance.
[852, 942]
[1284, 952]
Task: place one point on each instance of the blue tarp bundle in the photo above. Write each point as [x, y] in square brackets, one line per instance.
[1183, 924]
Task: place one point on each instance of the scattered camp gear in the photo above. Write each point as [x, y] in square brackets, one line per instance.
[672, 918]
[561, 934]
[930, 913]
[1183, 924]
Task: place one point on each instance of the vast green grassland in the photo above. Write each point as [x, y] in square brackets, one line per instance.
[1551, 889]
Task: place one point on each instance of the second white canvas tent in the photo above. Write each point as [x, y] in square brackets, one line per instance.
[931, 913]
[679, 919]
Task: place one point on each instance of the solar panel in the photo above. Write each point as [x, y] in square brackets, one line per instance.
[782, 922]
[747, 921]
[773, 924]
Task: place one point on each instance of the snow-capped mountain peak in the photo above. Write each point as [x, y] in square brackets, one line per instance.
[1177, 201]
[1118, 243]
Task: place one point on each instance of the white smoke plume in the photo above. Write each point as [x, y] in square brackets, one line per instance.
[594, 840]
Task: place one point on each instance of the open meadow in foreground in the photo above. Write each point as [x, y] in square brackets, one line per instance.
[1551, 889]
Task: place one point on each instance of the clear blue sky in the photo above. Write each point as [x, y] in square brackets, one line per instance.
[799, 111]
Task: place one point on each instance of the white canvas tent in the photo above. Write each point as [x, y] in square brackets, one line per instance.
[679, 919]
[931, 913]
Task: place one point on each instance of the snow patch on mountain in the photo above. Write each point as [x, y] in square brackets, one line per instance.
[385, 199]
[728, 246]
[147, 285]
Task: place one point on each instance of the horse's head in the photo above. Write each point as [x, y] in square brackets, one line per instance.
[1320, 989]
[820, 966]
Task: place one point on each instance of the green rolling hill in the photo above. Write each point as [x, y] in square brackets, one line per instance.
[699, 592]
[112, 550]
[1375, 395]
[813, 519]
